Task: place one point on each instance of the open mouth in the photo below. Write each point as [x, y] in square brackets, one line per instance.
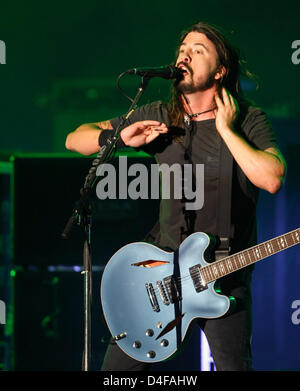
[185, 70]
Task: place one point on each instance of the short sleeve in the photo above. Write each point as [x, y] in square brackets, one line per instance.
[258, 129]
[155, 111]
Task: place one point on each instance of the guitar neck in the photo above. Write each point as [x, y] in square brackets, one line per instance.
[248, 257]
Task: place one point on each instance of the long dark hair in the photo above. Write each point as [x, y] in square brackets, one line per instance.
[228, 56]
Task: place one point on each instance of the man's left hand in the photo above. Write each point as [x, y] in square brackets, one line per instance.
[227, 111]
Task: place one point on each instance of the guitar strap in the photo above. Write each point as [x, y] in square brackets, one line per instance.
[224, 227]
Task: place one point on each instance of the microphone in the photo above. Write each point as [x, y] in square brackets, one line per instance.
[166, 72]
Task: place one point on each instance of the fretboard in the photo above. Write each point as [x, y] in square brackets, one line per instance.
[247, 257]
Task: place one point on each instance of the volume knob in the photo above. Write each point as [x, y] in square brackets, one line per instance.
[151, 354]
[149, 333]
[164, 342]
[137, 344]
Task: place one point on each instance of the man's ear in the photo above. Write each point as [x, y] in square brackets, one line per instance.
[221, 72]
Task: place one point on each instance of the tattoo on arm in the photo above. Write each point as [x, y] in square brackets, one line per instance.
[104, 125]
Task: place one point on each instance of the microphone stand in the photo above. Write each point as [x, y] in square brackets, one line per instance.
[82, 216]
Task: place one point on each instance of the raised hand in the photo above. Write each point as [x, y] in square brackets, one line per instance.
[227, 111]
[142, 132]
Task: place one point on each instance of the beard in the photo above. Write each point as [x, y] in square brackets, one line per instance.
[188, 87]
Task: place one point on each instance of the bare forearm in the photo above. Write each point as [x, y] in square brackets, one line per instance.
[85, 139]
[265, 169]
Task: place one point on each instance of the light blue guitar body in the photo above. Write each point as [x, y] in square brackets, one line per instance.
[136, 314]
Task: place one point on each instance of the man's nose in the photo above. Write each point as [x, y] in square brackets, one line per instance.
[185, 57]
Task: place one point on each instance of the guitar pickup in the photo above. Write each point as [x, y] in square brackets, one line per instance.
[197, 278]
[173, 288]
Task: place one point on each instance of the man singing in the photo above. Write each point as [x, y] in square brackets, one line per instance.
[207, 112]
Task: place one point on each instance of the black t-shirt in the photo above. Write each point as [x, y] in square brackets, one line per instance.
[200, 144]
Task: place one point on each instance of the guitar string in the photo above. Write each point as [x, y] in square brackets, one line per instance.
[194, 274]
[180, 280]
[186, 278]
[234, 257]
[197, 273]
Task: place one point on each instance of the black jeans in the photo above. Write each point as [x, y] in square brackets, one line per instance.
[229, 337]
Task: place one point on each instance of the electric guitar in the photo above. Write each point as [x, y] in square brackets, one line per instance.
[150, 297]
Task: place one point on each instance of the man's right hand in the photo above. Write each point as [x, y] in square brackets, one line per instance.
[85, 139]
[142, 132]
